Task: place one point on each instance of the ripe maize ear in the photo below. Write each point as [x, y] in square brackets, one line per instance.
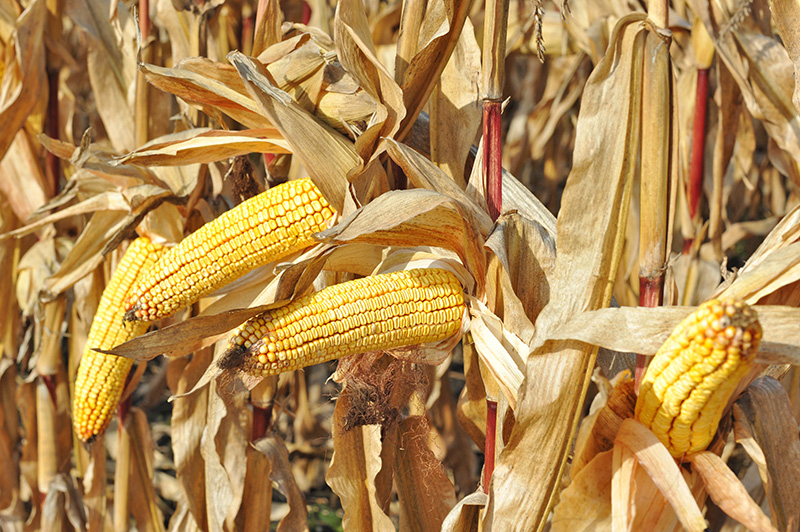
[265, 228]
[385, 311]
[690, 380]
[101, 378]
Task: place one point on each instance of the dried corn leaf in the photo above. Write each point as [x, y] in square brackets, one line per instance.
[224, 470]
[411, 218]
[419, 475]
[455, 107]
[356, 52]
[786, 15]
[274, 448]
[765, 413]
[588, 250]
[143, 502]
[354, 466]
[27, 195]
[213, 87]
[635, 443]
[327, 156]
[644, 330]
[728, 492]
[188, 422]
[204, 146]
[438, 36]
[422, 173]
[23, 75]
[585, 505]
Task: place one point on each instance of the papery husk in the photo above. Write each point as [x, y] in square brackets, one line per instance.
[728, 492]
[24, 72]
[763, 416]
[274, 449]
[455, 101]
[639, 456]
[588, 250]
[598, 431]
[351, 475]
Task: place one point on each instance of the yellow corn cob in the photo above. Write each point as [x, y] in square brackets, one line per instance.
[690, 380]
[267, 227]
[101, 377]
[386, 311]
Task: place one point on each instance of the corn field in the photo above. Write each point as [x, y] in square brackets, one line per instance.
[399, 265]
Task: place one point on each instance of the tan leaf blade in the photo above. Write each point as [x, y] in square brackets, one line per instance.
[207, 147]
[355, 464]
[24, 72]
[327, 156]
[589, 246]
[662, 469]
[419, 474]
[728, 492]
[644, 330]
[182, 338]
[409, 218]
[765, 412]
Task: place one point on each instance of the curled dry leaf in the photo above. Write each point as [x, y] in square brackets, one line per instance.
[764, 412]
[588, 251]
[644, 330]
[635, 446]
[24, 72]
[207, 146]
[728, 492]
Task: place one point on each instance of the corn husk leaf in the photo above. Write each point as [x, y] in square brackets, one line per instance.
[763, 413]
[327, 156]
[588, 251]
[636, 447]
[418, 474]
[355, 464]
[644, 330]
[586, 503]
[23, 75]
[728, 492]
[412, 218]
[207, 146]
[274, 448]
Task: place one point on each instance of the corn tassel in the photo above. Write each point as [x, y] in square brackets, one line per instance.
[101, 378]
[690, 380]
[386, 311]
[265, 228]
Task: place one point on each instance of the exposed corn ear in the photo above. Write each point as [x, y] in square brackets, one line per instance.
[691, 378]
[385, 311]
[265, 228]
[101, 378]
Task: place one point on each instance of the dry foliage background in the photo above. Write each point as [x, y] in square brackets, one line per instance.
[114, 126]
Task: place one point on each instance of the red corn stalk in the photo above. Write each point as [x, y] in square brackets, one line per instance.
[491, 436]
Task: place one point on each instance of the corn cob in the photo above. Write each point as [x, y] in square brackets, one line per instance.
[690, 380]
[385, 311]
[101, 377]
[267, 227]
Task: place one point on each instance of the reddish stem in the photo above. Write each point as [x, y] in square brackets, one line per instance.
[493, 156]
[262, 417]
[698, 142]
[123, 409]
[651, 294]
[306, 12]
[491, 435]
[144, 20]
[50, 383]
[53, 162]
